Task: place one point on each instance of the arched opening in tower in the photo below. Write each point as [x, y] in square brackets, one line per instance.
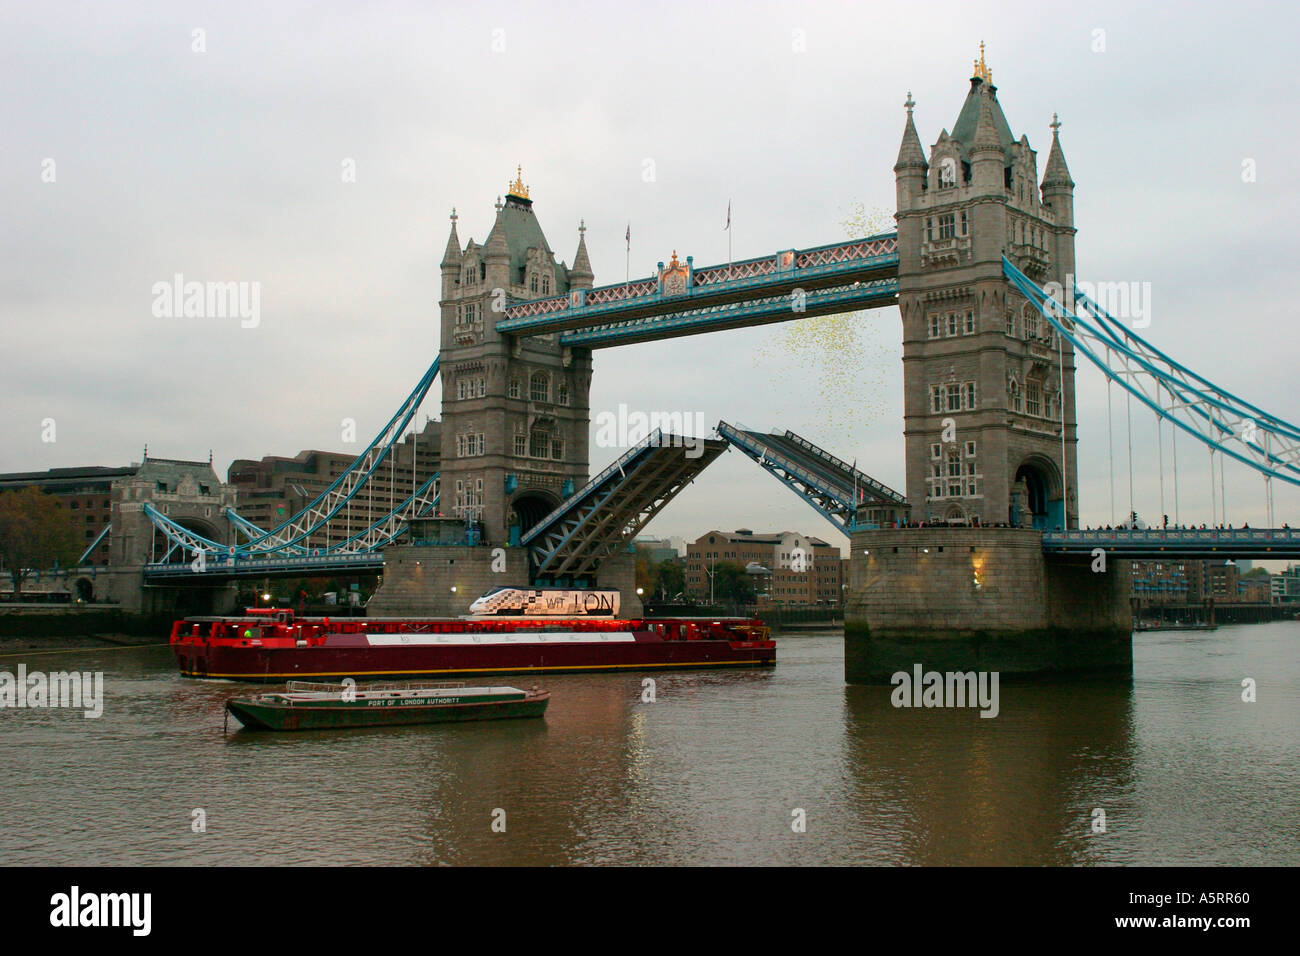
[531, 507]
[1041, 500]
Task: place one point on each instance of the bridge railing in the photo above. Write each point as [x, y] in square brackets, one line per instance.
[226, 563]
[1173, 536]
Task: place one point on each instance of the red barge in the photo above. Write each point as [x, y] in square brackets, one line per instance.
[274, 645]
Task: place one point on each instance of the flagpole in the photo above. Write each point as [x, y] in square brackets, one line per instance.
[627, 271]
[728, 239]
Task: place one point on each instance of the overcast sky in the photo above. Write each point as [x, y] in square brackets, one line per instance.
[227, 163]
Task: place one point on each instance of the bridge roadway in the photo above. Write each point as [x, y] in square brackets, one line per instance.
[774, 279]
[1276, 543]
[1265, 543]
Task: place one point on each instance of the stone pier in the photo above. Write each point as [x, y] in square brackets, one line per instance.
[443, 580]
[960, 599]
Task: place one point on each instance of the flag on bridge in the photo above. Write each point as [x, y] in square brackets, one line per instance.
[728, 225]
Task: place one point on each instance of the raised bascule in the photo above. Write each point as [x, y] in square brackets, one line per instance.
[979, 565]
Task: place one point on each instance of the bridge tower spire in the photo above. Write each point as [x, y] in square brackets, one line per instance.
[984, 380]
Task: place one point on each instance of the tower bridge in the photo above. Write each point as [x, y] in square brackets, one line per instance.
[976, 564]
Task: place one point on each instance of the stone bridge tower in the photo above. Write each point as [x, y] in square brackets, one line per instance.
[988, 386]
[515, 410]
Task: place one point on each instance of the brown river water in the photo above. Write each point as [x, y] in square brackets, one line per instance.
[712, 772]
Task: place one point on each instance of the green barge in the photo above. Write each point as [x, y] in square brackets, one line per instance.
[305, 705]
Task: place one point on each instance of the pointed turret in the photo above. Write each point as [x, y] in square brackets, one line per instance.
[910, 170]
[986, 156]
[451, 261]
[1058, 187]
[497, 254]
[910, 153]
[1056, 172]
[451, 258]
[580, 275]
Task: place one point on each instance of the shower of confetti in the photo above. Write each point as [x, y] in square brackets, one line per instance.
[838, 362]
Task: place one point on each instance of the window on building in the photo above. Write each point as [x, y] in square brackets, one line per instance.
[521, 446]
[1033, 398]
[935, 450]
[953, 392]
[532, 283]
[546, 285]
[963, 222]
[936, 399]
[1011, 323]
[562, 393]
[539, 388]
[936, 326]
[482, 387]
[557, 448]
[952, 323]
[968, 396]
[514, 389]
[970, 449]
[538, 444]
[968, 327]
[947, 227]
[1014, 393]
[1031, 324]
[75, 506]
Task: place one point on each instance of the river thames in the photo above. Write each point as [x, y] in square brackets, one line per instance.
[715, 771]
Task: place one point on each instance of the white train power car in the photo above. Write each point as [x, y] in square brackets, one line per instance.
[508, 601]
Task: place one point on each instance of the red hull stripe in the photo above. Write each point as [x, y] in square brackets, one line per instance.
[755, 662]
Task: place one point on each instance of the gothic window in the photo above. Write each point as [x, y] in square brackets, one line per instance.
[460, 388]
[952, 323]
[947, 172]
[968, 396]
[514, 390]
[963, 223]
[482, 444]
[1014, 391]
[954, 463]
[935, 449]
[954, 397]
[521, 446]
[482, 387]
[946, 226]
[1033, 398]
[562, 393]
[532, 283]
[936, 399]
[546, 285]
[538, 443]
[557, 448]
[970, 449]
[969, 327]
[1031, 325]
[539, 388]
[1011, 323]
[936, 325]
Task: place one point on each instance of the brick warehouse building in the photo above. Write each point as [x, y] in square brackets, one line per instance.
[802, 569]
